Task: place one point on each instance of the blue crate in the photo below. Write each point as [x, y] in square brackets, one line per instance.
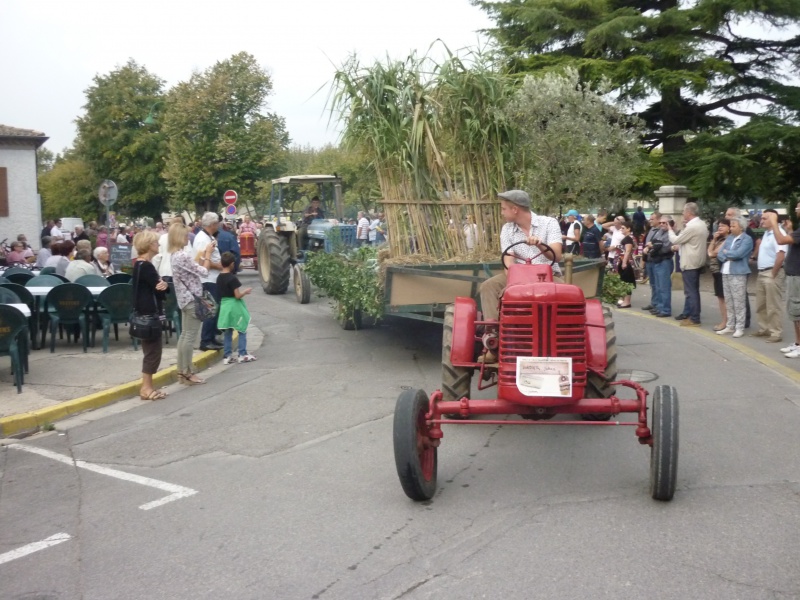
[344, 235]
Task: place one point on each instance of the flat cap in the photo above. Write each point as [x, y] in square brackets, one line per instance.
[517, 197]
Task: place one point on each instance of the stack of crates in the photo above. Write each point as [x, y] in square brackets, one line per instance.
[340, 235]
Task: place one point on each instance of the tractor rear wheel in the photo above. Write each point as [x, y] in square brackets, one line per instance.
[273, 262]
[664, 451]
[302, 285]
[597, 387]
[456, 381]
[415, 455]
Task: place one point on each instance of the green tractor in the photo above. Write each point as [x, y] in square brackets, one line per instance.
[280, 255]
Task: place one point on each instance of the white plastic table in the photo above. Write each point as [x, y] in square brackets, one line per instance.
[45, 289]
[23, 308]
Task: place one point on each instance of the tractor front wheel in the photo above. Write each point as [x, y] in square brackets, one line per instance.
[302, 285]
[456, 381]
[664, 451]
[597, 387]
[273, 262]
[414, 453]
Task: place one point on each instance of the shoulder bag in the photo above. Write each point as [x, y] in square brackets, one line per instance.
[205, 306]
[143, 327]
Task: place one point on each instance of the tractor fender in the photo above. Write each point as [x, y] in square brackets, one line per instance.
[465, 315]
[595, 336]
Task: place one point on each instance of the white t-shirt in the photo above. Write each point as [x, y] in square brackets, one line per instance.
[471, 235]
[616, 239]
[363, 229]
[56, 234]
[201, 240]
[573, 231]
[373, 229]
[121, 239]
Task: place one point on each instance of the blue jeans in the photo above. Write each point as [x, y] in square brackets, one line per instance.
[209, 332]
[227, 343]
[648, 270]
[691, 293]
[661, 278]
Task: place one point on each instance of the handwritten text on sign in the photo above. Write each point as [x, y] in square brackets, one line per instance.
[544, 376]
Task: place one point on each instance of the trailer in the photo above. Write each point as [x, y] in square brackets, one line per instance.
[423, 292]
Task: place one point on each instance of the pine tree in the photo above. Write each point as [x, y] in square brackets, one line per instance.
[680, 65]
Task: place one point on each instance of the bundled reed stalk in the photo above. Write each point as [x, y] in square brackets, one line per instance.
[440, 145]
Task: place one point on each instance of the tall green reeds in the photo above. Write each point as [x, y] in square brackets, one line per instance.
[440, 143]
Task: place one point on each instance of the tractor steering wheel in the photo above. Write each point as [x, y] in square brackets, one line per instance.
[527, 260]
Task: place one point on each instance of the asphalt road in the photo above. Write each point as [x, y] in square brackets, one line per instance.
[277, 480]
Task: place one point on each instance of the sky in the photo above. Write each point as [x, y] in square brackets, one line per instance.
[51, 49]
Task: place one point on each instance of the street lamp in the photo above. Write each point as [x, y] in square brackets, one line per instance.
[150, 119]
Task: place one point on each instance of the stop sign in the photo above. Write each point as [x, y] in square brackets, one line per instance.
[230, 197]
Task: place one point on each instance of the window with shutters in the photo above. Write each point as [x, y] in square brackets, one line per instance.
[3, 192]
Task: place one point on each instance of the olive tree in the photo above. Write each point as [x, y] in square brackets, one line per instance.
[575, 147]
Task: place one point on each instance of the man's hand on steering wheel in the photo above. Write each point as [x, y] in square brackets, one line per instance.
[531, 241]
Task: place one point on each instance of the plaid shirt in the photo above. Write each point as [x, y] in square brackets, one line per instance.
[545, 228]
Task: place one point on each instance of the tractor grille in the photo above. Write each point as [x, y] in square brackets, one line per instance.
[537, 329]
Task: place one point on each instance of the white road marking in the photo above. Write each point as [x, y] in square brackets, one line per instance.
[176, 491]
[34, 547]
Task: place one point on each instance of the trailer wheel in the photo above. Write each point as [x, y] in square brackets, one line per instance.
[273, 262]
[302, 285]
[414, 453]
[664, 451]
[597, 387]
[456, 381]
[349, 323]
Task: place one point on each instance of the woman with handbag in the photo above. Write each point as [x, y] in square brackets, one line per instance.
[148, 300]
[187, 274]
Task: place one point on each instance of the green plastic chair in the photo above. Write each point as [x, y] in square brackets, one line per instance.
[119, 278]
[67, 304]
[92, 281]
[43, 281]
[20, 277]
[25, 297]
[9, 297]
[116, 302]
[13, 336]
[4, 280]
[47, 270]
[173, 314]
[15, 270]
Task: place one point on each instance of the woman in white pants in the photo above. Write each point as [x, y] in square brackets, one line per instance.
[734, 258]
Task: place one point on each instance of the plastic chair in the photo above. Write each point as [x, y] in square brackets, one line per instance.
[66, 304]
[9, 297]
[61, 278]
[92, 281]
[173, 314]
[47, 270]
[4, 280]
[13, 336]
[116, 303]
[20, 277]
[25, 297]
[44, 281]
[14, 270]
[119, 278]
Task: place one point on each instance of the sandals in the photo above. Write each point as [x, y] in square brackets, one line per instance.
[190, 379]
[153, 395]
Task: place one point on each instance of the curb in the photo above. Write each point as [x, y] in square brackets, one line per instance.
[31, 422]
[754, 354]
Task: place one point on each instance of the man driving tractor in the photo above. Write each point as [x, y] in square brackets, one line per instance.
[312, 211]
[521, 225]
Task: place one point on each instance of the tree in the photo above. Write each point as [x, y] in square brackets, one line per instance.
[68, 189]
[44, 160]
[218, 137]
[573, 146]
[115, 142]
[688, 60]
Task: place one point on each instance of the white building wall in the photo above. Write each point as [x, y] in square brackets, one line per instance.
[24, 203]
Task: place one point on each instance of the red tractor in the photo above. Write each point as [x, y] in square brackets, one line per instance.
[555, 355]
